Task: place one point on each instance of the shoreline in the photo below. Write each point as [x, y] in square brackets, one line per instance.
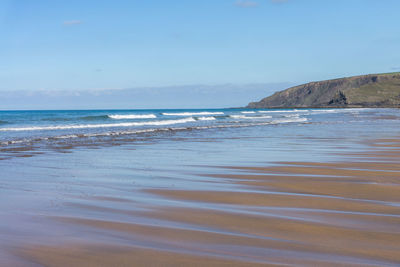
[345, 212]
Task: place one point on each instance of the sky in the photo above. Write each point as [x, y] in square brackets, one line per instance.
[102, 45]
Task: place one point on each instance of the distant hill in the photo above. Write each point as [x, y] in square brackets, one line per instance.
[373, 90]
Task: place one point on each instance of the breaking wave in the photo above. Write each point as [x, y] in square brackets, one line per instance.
[192, 113]
[206, 118]
[250, 117]
[139, 131]
[105, 125]
[132, 116]
[283, 111]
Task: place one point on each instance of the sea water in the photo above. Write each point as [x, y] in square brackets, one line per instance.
[74, 127]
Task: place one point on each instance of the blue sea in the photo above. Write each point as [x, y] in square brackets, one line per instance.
[49, 129]
[34, 126]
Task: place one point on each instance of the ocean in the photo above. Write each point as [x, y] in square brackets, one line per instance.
[217, 186]
[56, 129]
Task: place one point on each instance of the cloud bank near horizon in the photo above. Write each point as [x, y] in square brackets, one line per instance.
[192, 96]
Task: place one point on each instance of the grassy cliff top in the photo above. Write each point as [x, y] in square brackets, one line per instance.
[372, 90]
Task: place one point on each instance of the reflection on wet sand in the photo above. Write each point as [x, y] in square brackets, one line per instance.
[302, 213]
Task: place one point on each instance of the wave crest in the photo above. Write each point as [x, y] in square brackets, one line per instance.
[105, 125]
[132, 116]
[250, 117]
[139, 131]
[192, 113]
[206, 118]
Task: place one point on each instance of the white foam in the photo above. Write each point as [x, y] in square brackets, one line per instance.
[67, 136]
[132, 116]
[192, 113]
[139, 131]
[108, 125]
[206, 118]
[339, 110]
[186, 128]
[248, 112]
[249, 117]
[296, 115]
[319, 111]
[12, 142]
[283, 111]
[289, 120]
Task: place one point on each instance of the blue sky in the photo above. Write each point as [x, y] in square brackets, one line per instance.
[88, 45]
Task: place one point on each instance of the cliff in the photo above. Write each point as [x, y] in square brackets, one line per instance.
[373, 90]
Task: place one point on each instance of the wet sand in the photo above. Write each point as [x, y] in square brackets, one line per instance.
[342, 213]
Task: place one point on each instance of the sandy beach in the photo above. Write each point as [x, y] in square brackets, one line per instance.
[342, 213]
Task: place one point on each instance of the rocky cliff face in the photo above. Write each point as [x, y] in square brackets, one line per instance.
[374, 90]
